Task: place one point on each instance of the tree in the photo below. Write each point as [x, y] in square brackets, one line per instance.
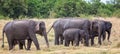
[13, 8]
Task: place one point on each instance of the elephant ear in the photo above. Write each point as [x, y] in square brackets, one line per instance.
[37, 26]
[42, 25]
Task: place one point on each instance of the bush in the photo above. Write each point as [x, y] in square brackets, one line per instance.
[117, 13]
[104, 12]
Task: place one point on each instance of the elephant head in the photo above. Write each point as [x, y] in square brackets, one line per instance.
[93, 22]
[41, 29]
[85, 36]
[108, 26]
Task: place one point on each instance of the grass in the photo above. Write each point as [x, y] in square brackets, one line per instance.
[105, 48]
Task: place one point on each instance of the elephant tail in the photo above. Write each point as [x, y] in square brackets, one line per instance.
[3, 39]
[49, 29]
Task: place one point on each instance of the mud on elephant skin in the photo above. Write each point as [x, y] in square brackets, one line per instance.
[75, 35]
[21, 29]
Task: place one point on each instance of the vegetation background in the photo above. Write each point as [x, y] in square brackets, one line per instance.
[17, 9]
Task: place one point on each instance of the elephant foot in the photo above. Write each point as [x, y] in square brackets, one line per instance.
[56, 44]
[38, 48]
[76, 45]
[100, 43]
[28, 49]
[86, 44]
[21, 48]
[92, 44]
[66, 45]
[10, 48]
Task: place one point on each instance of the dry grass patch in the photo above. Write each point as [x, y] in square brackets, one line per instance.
[105, 48]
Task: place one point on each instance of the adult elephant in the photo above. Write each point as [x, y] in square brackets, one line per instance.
[83, 24]
[62, 24]
[97, 30]
[24, 29]
[58, 27]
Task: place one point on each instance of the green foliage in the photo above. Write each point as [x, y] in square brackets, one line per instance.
[13, 8]
[117, 13]
[104, 12]
[67, 9]
[58, 8]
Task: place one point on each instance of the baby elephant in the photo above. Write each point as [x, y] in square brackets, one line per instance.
[74, 35]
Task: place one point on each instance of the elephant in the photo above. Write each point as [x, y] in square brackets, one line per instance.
[24, 29]
[83, 24]
[107, 25]
[74, 35]
[97, 30]
[58, 30]
[61, 25]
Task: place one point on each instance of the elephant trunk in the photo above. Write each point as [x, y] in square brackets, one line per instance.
[46, 39]
[109, 32]
[91, 27]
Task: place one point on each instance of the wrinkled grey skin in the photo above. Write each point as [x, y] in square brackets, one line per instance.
[62, 24]
[74, 35]
[22, 29]
[21, 43]
[98, 30]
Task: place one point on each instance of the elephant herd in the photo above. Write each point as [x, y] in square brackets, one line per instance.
[75, 30]
[65, 30]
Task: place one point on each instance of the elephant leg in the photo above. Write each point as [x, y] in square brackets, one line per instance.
[76, 42]
[66, 43]
[81, 41]
[86, 41]
[104, 36]
[35, 41]
[23, 42]
[10, 42]
[99, 39]
[109, 32]
[56, 39]
[72, 43]
[29, 44]
[20, 45]
[92, 41]
[61, 39]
